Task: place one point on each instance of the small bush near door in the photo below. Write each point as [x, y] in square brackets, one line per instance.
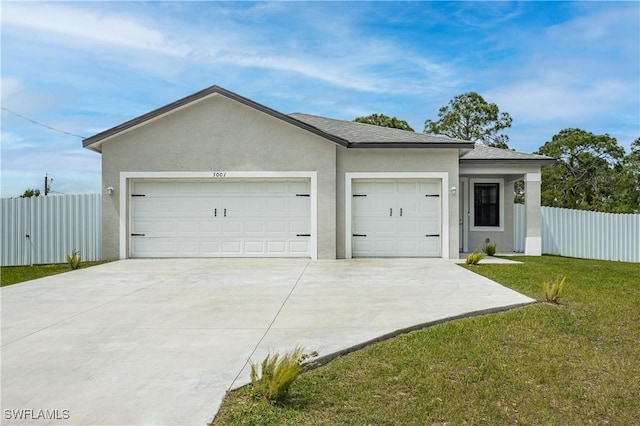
[489, 249]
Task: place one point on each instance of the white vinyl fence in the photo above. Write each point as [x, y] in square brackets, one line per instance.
[41, 230]
[584, 234]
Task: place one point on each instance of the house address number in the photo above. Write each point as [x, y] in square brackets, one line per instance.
[219, 174]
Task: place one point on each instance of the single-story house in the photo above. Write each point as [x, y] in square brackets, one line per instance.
[218, 175]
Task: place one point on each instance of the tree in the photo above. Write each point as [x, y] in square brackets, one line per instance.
[588, 172]
[469, 117]
[30, 193]
[385, 121]
[627, 189]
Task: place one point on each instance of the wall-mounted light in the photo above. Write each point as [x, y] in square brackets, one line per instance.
[110, 190]
[454, 190]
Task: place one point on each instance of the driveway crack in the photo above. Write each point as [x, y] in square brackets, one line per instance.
[284, 302]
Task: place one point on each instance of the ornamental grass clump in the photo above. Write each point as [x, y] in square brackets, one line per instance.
[277, 374]
[474, 258]
[74, 259]
[553, 290]
[489, 249]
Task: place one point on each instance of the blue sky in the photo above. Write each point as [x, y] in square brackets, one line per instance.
[84, 67]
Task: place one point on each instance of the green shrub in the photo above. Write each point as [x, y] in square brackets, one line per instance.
[277, 374]
[489, 249]
[474, 258]
[553, 290]
[74, 259]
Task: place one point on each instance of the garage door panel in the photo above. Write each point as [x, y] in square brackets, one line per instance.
[363, 247]
[209, 227]
[408, 228]
[299, 248]
[408, 246]
[187, 218]
[209, 247]
[384, 187]
[277, 247]
[386, 227]
[154, 247]
[276, 227]
[404, 188]
[188, 247]
[232, 228]
[297, 226]
[254, 227]
[254, 206]
[361, 226]
[232, 247]
[275, 207]
[299, 206]
[254, 247]
[301, 187]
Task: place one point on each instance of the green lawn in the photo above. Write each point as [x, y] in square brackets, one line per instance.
[17, 274]
[573, 364]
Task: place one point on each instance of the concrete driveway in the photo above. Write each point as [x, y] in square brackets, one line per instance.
[161, 341]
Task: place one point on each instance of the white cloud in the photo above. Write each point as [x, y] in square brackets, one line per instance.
[83, 24]
[10, 86]
[548, 99]
[337, 54]
[11, 141]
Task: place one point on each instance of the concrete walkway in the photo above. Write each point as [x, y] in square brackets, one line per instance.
[161, 341]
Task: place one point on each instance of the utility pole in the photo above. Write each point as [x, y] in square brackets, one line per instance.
[47, 187]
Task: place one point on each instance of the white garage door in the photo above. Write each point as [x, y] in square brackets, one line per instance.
[226, 218]
[396, 218]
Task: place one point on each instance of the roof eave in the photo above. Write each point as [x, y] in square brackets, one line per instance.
[458, 145]
[541, 161]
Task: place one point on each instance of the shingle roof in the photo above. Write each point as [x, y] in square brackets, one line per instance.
[346, 133]
[487, 153]
[360, 135]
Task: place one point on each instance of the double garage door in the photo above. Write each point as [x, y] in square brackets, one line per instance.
[396, 218]
[232, 218]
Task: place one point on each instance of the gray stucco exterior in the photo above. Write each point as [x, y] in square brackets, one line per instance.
[220, 134]
[215, 130]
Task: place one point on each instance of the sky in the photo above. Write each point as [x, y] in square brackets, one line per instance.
[84, 67]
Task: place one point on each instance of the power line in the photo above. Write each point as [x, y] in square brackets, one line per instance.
[41, 124]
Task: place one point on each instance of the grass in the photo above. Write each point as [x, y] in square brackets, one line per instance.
[17, 274]
[576, 363]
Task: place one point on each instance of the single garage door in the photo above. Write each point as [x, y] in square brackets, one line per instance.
[221, 218]
[396, 218]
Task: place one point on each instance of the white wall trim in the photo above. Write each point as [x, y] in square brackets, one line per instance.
[221, 175]
[123, 217]
[463, 191]
[444, 213]
[533, 177]
[533, 246]
[501, 189]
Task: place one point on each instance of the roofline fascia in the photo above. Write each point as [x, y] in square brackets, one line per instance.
[541, 161]
[409, 145]
[198, 96]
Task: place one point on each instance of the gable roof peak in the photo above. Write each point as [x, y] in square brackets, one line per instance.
[94, 142]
